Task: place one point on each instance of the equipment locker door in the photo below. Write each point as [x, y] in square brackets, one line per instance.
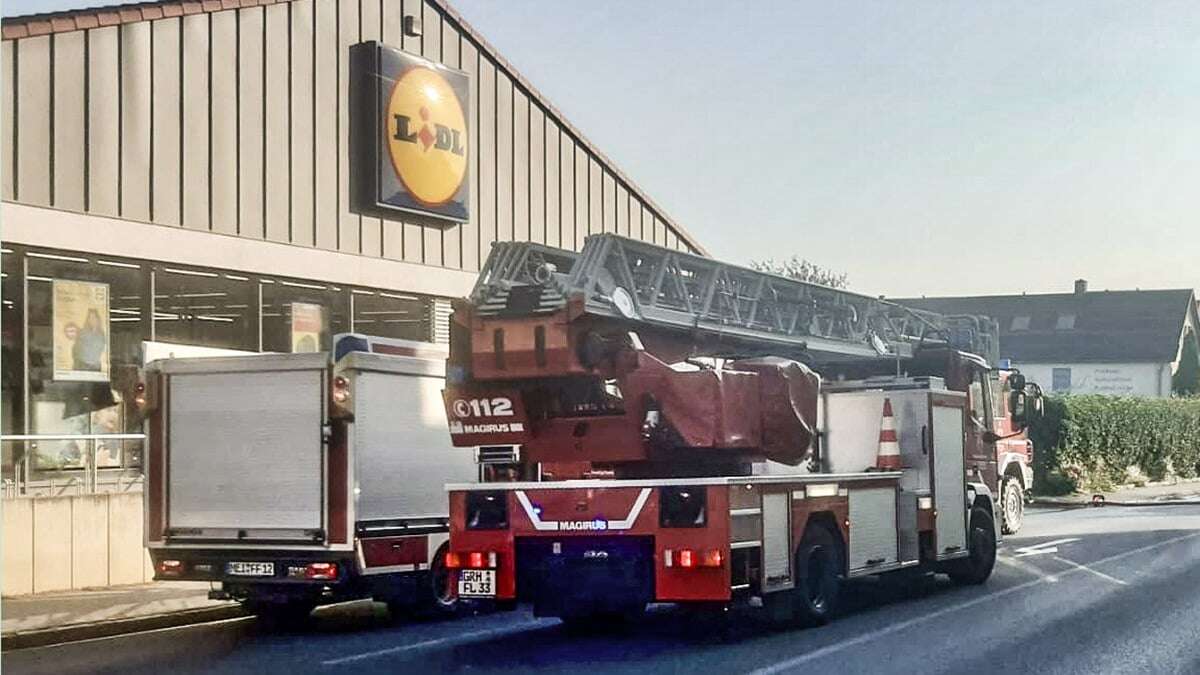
[949, 488]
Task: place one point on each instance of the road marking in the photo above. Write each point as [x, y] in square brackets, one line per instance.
[1043, 548]
[450, 639]
[1085, 568]
[1017, 563]
[871, 637]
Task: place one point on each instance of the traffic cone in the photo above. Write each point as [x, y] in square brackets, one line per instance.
[888, 458]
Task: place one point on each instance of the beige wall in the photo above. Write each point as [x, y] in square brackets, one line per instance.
[80, 541]
[236, 122]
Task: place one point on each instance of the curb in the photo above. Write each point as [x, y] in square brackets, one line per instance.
[41, 637]
[1077, 503]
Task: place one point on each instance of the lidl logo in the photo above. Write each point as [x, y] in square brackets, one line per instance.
[410, 136]
[427, 136]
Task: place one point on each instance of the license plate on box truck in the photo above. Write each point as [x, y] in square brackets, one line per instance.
[250, 569]
[477, 583]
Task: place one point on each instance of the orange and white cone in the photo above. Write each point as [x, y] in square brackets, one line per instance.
[888, 458]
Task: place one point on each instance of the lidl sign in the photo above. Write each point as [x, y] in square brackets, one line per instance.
[410, 136]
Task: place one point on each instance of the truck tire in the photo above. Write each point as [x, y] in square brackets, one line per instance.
[436, 597]
[818, 576]
[1012, 505]
[981, 546]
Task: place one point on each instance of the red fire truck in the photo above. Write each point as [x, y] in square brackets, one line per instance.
[664, 427]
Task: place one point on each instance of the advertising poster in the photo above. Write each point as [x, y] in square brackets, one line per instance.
[81, 331]
[306, 327]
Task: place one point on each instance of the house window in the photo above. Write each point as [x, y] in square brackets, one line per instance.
[1019, 323]
[1060, 379]
[1065, 322]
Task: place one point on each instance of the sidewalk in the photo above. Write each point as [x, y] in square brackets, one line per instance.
[59, 610]
[1184, 491]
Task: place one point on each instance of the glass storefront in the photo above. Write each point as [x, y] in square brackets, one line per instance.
[76, 329]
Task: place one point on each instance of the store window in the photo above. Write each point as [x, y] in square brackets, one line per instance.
[392, 315]
[204, 308]
[86, 320]
[302, 317]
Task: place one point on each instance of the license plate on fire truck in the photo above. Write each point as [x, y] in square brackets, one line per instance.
[477, 583]
[250, 569]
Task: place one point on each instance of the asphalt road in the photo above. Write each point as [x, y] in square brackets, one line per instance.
[1082, 591]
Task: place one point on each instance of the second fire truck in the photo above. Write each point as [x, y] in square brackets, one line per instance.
[663, 427]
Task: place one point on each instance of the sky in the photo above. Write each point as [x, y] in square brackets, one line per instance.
[933, 148]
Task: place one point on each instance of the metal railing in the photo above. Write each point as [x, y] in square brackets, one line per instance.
[51, 465]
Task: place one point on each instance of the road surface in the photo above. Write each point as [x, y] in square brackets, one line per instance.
[1078, 591]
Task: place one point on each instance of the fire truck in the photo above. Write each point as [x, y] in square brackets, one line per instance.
[292, 480]
[662, 427]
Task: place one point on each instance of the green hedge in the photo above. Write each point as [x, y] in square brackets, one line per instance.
[1092, 441]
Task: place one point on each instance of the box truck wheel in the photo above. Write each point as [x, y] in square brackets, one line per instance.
[436, 595]
[818, 575]
[981, 544]
[1012, 500]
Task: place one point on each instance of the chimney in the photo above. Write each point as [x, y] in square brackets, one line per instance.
[1080, 286]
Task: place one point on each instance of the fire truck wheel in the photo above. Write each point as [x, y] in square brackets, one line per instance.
[439, 598]
[818, 575]
[1013, 501]
[981, 543]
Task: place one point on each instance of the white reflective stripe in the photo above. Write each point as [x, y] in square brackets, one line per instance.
[553, 525]
[534, 518]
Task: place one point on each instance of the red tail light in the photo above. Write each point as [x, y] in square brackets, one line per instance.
[689, 558]
[341, 390]
[139, 395]
[475, 560]
[321, 570]
[170, 568]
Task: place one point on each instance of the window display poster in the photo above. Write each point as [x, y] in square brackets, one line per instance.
[81, 331]
[306, 327]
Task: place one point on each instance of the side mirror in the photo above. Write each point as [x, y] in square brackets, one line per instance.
[990, 437]
[1018, 406]
[1016, 381]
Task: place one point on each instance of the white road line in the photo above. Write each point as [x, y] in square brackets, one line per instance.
[904, 625]
[449, 639]
[1085, 568]
[1017, 563]
[1044, 547]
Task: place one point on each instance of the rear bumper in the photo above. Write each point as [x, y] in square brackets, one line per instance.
[214, 565]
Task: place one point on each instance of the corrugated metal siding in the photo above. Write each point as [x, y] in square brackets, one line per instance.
[225, 121]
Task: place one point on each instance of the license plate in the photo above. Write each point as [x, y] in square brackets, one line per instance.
[477, 583]
[250, 569]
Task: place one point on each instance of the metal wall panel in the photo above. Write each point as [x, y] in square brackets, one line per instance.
[431, 48]
[104, 123]
[583, 203]
[371, 227]
[303, 111]
[595, 196]
[392, 228]
[250, 122]
[70, 120]
[8, 98]
[566, 190]
[520, 192]
[622, 209]
[553, 184]
[487, 157]
[325, 46]
[167, 107]
[195, 58]
[471, 231]
[452, 236]
[135, 121]
[223, 107]
[609, 202]
[33, 124]
[276, 143]
[504, 157]
[537, 174]
[349, 222]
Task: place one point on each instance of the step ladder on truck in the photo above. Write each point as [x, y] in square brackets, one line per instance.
[293, 480]
[663, 427]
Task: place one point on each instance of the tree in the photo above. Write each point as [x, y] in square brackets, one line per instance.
[1186, 380]
[798, 268]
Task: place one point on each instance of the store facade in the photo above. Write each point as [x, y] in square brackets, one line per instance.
[190, 177]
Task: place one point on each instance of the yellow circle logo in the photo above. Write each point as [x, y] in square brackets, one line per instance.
[427, 136]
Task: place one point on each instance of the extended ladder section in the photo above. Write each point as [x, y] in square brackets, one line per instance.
[633, 281]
